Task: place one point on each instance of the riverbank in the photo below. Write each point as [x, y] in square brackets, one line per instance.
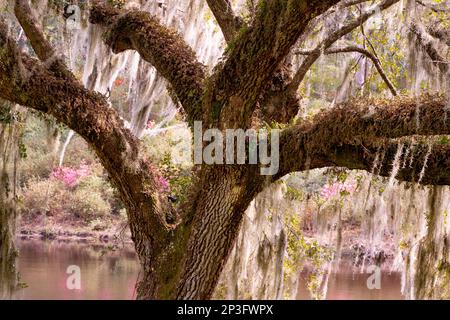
[111, 231]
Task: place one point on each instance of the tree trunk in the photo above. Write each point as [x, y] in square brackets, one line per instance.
[8, 253]
[190, 262]
[8, 149]
[226, 194]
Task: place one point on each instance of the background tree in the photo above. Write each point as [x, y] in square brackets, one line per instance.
[10, 134]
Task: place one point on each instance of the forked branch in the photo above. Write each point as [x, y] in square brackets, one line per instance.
[331, 39]
[368, 54]
[229, 22]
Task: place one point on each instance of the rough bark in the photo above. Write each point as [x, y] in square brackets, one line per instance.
[225, 195]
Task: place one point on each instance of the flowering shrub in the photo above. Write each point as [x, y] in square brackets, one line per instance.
[49, 197]
[70, 176]
[330, 191]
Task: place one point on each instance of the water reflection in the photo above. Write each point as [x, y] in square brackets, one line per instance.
[350, 284]
[107, 274]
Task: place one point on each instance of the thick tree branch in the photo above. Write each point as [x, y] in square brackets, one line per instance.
[281, 102]
[348, 134]
[161, 47]
[278, 102]
[41, 46]
[255, 56]
[223, 12]
[420, 163]
[331, 39]
[368, 54]
[28, 82]
[29, 24]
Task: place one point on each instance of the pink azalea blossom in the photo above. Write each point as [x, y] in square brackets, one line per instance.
[71, 176]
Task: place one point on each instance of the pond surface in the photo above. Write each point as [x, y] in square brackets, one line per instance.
[350, 284]
[107, 274]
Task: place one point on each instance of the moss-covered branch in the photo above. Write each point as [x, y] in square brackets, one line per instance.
[163, 48]
[349, 135]
[29, 82]
[280, 102]
[422, 162]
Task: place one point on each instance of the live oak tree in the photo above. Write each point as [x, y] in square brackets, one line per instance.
[183, 247]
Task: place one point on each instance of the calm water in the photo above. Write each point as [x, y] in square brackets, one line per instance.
[350, 285]
[107, 274]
